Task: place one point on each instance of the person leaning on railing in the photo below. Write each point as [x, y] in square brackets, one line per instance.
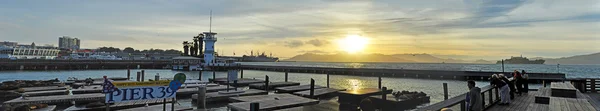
[504, 90]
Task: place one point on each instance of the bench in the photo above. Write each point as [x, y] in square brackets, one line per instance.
[570, 104]
[560, 89]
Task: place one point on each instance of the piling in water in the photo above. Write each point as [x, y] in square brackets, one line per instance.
[201, 100]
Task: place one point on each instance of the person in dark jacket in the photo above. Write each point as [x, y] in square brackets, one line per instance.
[511, 85]
[525, 82]
[474, 100]
[518, 80]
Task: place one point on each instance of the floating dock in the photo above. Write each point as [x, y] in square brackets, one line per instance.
[270, 102]
[272, 85]
[159, 107]
[43, 88]
[401, 73]
[321, 92]
[122, 105]
[291, 89]
[240, 82]
[55, 99]
[189, 91]
[218, 97]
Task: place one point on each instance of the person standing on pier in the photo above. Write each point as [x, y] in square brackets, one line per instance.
[525, 81]
[474, 100]
[519, 81]
[504, 90]
[511, 85]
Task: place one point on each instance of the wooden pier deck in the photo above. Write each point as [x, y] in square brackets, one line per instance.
[55, 99]
[189, 91]
[216, 96]
[121, 105]
[400, 73]
[46, 93]
[528, 102]
[291, 89]
[240, 82]
[318, 92]
[158, 107]
[270, 102]
[272, 85]
[43, 88]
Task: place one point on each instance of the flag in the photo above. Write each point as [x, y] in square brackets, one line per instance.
[108, 87]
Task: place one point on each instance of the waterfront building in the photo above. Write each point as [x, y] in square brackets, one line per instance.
[8, 43]
[67, 42]
[209, 49]
[30, 52]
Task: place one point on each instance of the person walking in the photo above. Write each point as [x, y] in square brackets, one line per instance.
[504, 90]
[525, 81]
[474, 100]
[510, 84]
[518, 80]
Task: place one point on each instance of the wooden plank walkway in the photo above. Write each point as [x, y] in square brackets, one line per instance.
[240, 82]
[55, 99]
[158, 107]
[43, 88]
[270, 102]
[318, 92]
[216, 96]
[122, 105]
[272, 85]
[46, 93]
[520, 103]
[190, 91]
[291, 89]
[527, 102]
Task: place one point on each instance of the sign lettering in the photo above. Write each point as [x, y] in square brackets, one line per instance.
[139, 93]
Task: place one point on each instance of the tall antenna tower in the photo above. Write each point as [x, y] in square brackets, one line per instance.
[210, 23]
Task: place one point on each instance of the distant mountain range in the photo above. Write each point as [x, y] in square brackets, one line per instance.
[420, 58]
[578, 59]
[427, 58]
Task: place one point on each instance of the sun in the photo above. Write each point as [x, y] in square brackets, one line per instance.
[353, 43]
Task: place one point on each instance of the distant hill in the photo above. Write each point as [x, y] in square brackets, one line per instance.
[419, 58]
[481, 61]
[579, 59]
[346, 58]
[426, 58]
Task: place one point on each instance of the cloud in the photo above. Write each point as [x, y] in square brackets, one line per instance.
[293, 43]
[317, 42]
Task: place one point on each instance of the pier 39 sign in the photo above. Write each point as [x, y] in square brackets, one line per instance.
[129, 91]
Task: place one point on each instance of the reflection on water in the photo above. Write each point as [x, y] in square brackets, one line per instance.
[354, 83]
[354, 65]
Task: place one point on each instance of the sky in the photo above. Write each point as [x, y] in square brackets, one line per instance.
[462, 29]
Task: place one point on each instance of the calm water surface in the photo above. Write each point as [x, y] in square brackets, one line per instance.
[430, 87]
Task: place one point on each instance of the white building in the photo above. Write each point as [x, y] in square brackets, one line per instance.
[67, 42]
[27, 53]
[209, 47]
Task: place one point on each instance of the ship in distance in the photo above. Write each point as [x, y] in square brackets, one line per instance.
[521, 60]
[259, 58]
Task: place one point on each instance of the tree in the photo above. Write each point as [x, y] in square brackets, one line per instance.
[128, 50]
[185, 48]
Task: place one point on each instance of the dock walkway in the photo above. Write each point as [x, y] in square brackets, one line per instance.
[272, 85]
[545, 99]
[291, 89]
[270, 102]
[55, 99]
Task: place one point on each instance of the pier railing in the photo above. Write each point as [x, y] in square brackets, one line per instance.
[586, 84]
[489, 95]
